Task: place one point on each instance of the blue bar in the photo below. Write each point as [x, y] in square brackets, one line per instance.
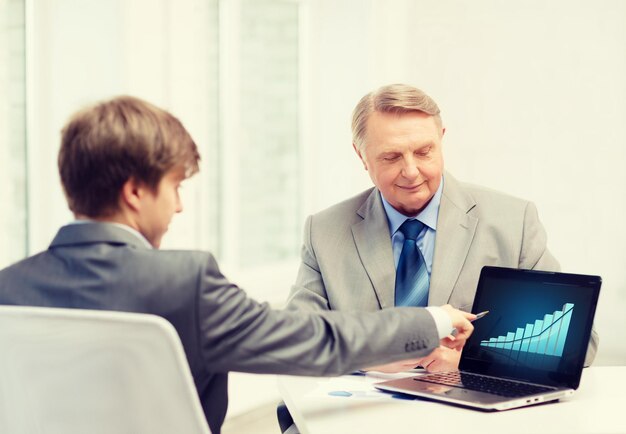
[527, 334]
[518, 339]
[489, 343]
[534, 340]
[543, 339]
[509, 340]
[500, 343]
[554, 332]
[560, 345]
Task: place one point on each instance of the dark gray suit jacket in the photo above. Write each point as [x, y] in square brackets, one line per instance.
[102, 266]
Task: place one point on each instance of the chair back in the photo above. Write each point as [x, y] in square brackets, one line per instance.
[70, 371]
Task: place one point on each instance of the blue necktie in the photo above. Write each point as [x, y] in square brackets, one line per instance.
[412, 279]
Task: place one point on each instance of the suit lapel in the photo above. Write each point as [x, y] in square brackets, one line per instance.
[455, 232]
[373, 244]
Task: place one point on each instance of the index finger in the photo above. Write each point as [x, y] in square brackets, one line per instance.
[469, 316]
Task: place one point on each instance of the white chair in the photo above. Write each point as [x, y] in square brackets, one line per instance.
[67, 371]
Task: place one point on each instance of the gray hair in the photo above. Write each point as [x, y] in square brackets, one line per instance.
[392, 98]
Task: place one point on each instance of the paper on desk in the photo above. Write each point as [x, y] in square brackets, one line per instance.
[377, 376]
[359, 387]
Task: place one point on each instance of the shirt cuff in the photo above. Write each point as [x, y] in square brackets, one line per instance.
[442, 320]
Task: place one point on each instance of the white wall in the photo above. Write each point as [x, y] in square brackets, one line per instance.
[533, 96]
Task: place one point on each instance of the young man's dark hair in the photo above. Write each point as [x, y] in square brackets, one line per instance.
[105, 145]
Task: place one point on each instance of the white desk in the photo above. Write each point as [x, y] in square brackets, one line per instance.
[596, 407]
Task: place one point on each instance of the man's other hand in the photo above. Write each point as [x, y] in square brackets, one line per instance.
[441, 359]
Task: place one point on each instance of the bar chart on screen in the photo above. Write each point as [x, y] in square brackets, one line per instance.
[544, 336]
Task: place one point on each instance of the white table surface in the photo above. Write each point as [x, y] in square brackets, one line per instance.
[598, 406]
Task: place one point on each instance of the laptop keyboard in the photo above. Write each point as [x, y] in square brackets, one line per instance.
[495, 386]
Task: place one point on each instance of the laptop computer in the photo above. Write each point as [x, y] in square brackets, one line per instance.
[529, 349]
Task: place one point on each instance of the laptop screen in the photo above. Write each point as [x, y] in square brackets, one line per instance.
[538, 326]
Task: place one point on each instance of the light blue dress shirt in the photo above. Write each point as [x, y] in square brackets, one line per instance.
[426, 239]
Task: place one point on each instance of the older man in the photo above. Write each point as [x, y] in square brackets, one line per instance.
[435, 231]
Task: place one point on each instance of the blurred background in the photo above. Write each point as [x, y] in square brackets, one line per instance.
[532, 93]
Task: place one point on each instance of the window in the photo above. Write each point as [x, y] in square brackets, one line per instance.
[260, 144]
[229, 69]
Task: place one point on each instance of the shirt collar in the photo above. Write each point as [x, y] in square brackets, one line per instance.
[428, 215]
[135, 232]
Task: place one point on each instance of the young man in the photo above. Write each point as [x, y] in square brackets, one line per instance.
[121, 164]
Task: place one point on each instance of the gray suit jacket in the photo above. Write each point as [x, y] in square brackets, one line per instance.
[347, 259]
[101, 266]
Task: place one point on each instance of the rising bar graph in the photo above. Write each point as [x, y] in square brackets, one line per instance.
[543, 336]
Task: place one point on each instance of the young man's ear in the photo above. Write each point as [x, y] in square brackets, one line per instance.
[131, 194]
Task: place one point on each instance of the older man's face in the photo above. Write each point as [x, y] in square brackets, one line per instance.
[402, 154]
